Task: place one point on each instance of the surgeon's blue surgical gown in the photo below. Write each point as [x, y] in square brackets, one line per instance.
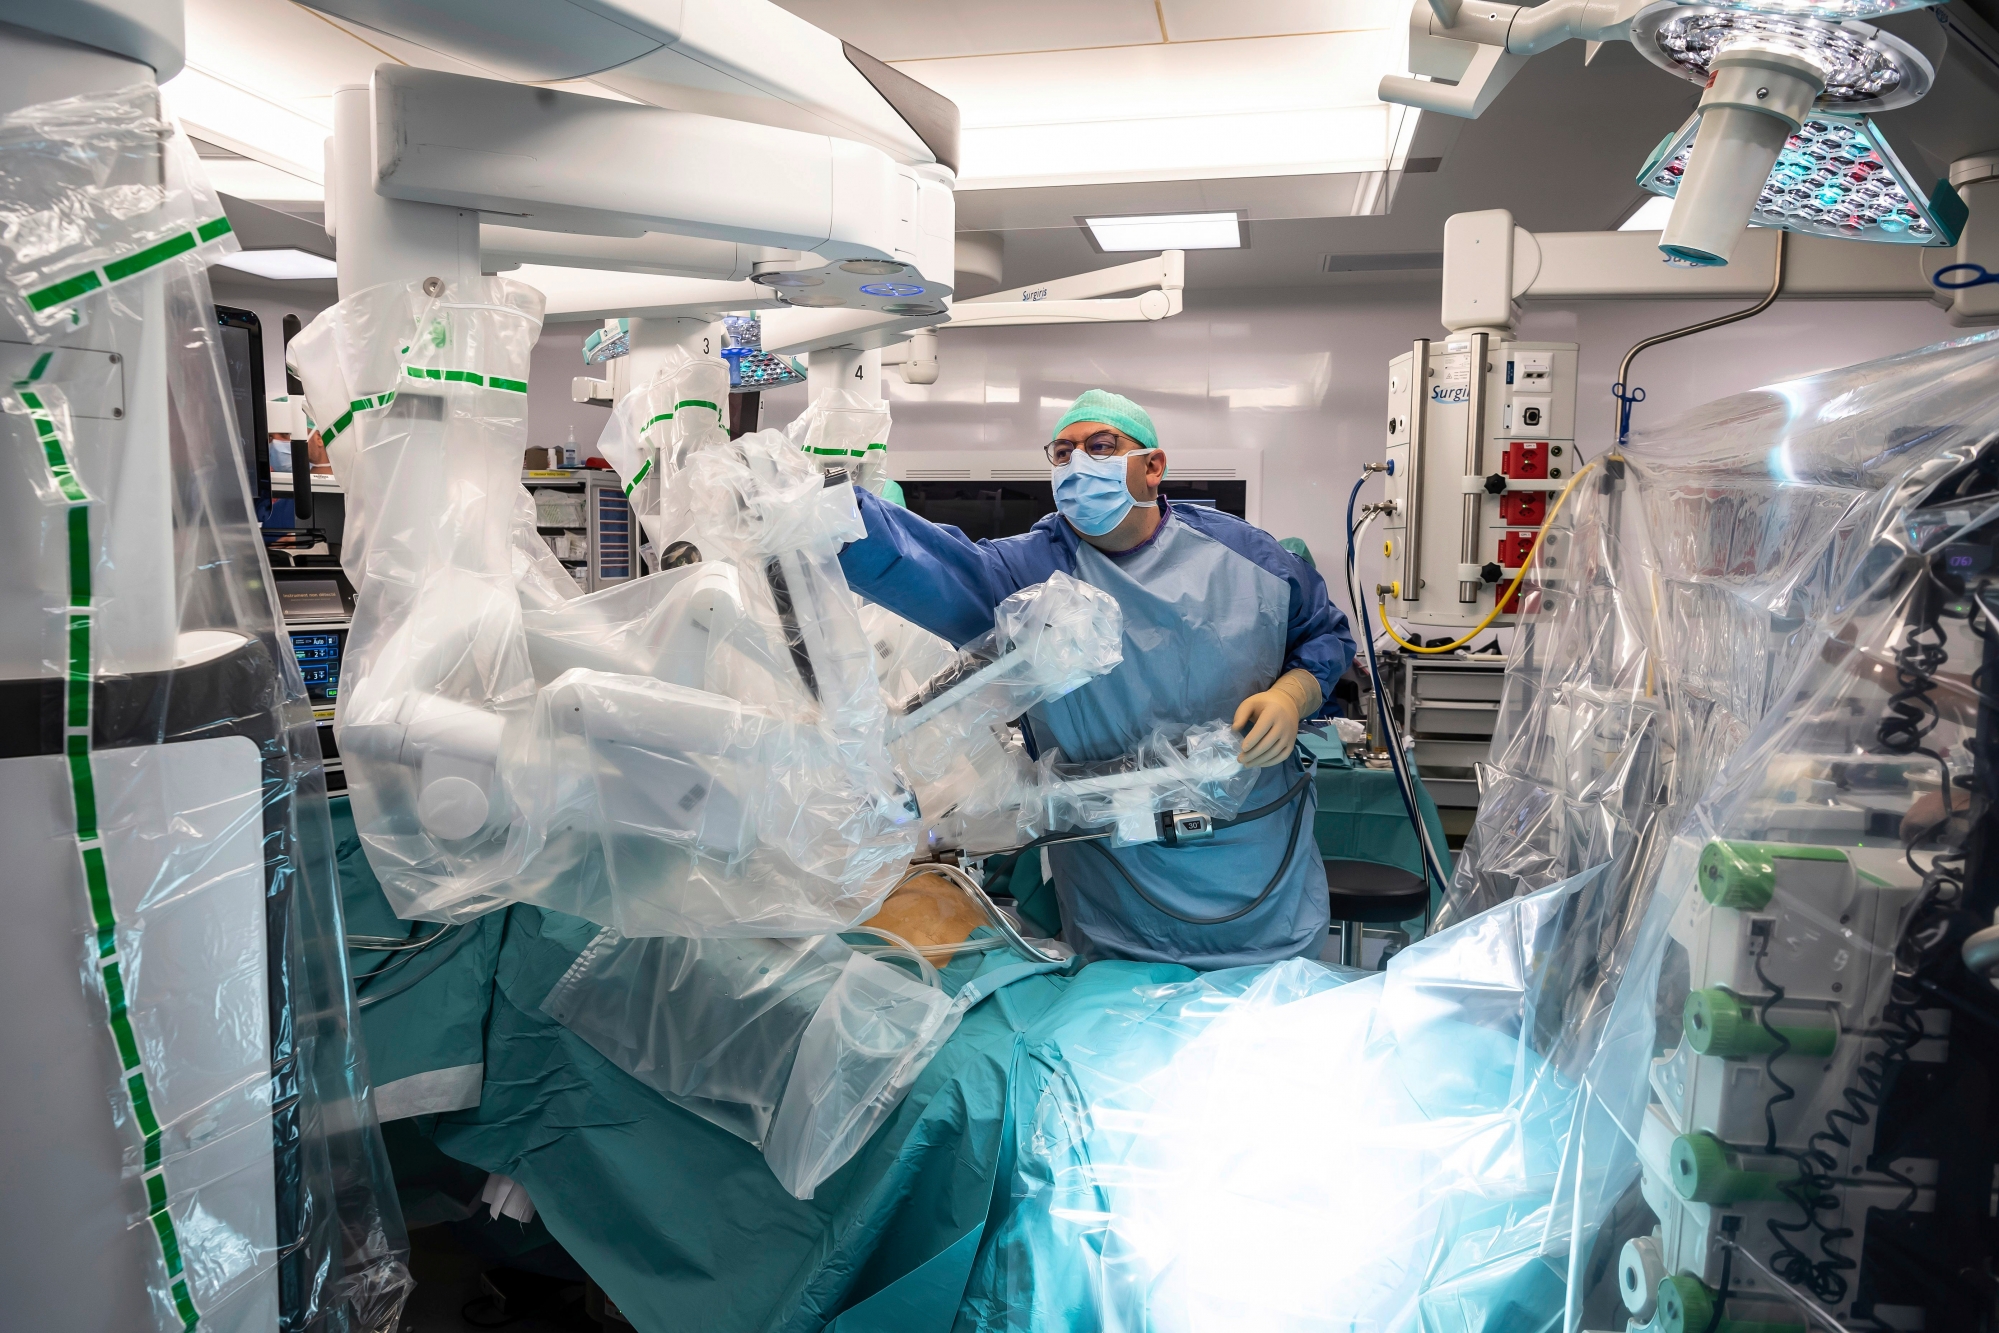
[1214, 611]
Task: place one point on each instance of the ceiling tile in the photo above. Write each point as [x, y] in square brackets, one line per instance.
[1208, 78]
[921, 29]
[1207, 20]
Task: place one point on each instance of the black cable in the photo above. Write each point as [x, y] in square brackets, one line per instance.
[1283, 867]
[1791, 1263]
[1397, 760]
[1721, 1293]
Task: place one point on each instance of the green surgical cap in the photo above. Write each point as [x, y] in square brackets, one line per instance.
[1297, 547]
[1113, 409]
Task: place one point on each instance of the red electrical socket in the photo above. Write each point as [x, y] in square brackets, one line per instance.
[1525, 459]
[1523, 507]
[1514, 546]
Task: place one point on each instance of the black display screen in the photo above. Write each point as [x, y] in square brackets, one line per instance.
[318, 653]
[988, 509]
[243, 357]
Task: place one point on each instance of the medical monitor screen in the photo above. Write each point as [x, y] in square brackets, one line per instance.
[318, 653]
[988, 509]
[242, 340]
[310, 599]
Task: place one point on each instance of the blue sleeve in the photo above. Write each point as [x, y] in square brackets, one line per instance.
[1317, 638]
[933, 575]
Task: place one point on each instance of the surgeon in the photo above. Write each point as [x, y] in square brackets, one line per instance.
[1219, 622]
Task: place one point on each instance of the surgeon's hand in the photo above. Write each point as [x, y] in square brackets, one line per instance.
[1269, 721]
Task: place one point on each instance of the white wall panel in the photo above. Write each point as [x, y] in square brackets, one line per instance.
[1304, 380]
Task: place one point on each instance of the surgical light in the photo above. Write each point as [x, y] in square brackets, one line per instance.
[1766, 75]
[1863, 69]
[289, 265]
[752, 369]
[1835, 176]
[892, 289]
[1167, 231]
[608, 343]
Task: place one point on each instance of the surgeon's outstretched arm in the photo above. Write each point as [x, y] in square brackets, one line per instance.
[1269, 721]
[933, 575]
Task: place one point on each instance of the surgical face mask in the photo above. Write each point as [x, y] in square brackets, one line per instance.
[1092, 494]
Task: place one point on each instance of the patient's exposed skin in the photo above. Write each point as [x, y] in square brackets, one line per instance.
[928, 909]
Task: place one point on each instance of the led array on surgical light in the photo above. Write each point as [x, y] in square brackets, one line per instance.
[1857, 67]
[1838, 11]
[608, 343]
[1836, 177]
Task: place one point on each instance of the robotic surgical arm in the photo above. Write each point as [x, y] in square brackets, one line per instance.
[701, 751]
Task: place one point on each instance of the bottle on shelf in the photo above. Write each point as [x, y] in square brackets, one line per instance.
[569, 458]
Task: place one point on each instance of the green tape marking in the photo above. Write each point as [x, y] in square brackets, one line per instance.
[645, 469]
[466, 377]
[339, 425]
[696, 402]
[41, 365]
[58, 460]
[67, 290]
[78, 695]
[844, 453]
[118, 270]
[663, 416]
[127, 266]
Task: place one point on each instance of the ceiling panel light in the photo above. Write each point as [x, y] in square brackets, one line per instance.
[288, 264]
[1167, 231]
[1650, 215]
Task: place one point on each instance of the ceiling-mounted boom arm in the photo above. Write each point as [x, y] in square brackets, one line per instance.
[1480, 47]
[1082, 297]
[565, 162]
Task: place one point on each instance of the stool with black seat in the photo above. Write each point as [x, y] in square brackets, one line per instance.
[1366, 893]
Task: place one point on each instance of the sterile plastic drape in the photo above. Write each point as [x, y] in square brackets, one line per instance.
[194, 1138]
[1655, 1063]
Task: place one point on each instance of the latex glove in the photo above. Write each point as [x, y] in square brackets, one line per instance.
[1269, 721]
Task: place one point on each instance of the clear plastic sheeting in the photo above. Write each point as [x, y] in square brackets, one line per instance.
[195, 1142]
[1175, 768]
[801, 1047]
[846, 429]
[1751, 684]
[701, 751]
[96, 191]
[654, 429]
[1301, 1147]
[1696, 1044]
[422, 400]
[947, 731]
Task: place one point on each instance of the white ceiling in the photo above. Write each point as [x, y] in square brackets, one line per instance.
[1103, 107]
[1110, 91]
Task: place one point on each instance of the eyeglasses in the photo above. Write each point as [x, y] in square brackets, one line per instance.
[1104, 444]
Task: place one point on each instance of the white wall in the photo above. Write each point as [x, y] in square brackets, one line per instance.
[1301, 377]
[1304, 378]
[558, 359]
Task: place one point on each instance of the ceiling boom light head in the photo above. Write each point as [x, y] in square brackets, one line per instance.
[1764, 74]
[1836, 176]
[1765, 65]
